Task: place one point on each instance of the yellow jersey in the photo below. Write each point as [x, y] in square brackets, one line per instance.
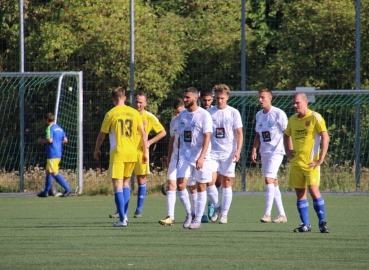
[121, 123]
[151, 123]
[305, 134]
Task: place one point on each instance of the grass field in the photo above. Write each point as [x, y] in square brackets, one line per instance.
[76, 233]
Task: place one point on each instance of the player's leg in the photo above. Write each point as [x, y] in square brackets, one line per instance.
[313, 183]
[227, 169]
[281, 218]
[141, 170]
[128, 169]
[212, 190]
[48, 182]
[171, 193]
[116, 173]
[183, 173]
[193, 198]
[202, 176]
[54, 170]
[298, 181]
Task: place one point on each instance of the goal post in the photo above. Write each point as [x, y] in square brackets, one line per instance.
[346, 113]
[24, 100]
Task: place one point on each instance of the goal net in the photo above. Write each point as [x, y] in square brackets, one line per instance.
[346, 113]
[25, 98]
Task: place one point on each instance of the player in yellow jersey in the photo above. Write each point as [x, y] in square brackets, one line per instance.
[122, 123]
[302, 137]
[151, 123]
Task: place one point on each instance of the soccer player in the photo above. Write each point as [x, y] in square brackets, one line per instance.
[271, 122]
[194, 128]
[226, 146]
[54, 140]
[121, 123]
[172, 159]
[302, 137]
[151, 123]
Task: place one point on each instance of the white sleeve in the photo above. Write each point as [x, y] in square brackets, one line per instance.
[172, 127]
[238, 120]
[282, 120]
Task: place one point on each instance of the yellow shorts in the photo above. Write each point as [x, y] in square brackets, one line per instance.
[142, 169]
[301, 177]
[52, 165]
[120, 170]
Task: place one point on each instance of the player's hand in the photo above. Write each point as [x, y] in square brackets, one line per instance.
[199, 163]
[144, 158]
[254, 156]
[290, 154]
[236, 157]
[97, 154]
[315, 164]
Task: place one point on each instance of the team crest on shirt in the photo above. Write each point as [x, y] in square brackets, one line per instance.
[270, 123]
[307, 123]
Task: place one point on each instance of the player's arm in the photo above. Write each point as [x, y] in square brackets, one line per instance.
[45, 141]
[325, 142]
[99, 141]
[288, 147]
[161, 134]
[255, 147]
[205, 145]
[239, 135]
[170, 150]
[144, 142]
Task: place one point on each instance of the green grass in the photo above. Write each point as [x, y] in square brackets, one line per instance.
[76, 233]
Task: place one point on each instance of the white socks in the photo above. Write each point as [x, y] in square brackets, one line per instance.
[171, 202]
[185, 200]
[213, 195]
[269, 199]
[278, 201]
[227, 196]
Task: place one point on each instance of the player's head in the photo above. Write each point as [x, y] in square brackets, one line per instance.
[178, 106]
[206, 98]
[265, 98]
[49, 118]
[118, 94]
[190, 97]
[300, 102]
[140, 101]
[221, 95]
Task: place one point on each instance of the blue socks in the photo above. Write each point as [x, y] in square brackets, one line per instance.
[141, 193]
[303, 208]
[127, 196]
[119, 201]
[319, 209]
[60, 179]
[48, 183]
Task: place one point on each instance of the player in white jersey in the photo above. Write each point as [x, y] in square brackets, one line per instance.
[226, 146]
[172, 161]
[194, 128]
[270, 125]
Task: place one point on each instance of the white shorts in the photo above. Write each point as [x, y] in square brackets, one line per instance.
[172, 170]
[224, 167]
[271, 165]
[187, 170]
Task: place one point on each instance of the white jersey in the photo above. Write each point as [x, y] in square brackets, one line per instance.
[191, 127]
[270, 127]
[223, 139]
[174, 132]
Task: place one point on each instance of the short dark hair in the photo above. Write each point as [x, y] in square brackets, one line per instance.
[192, 90]
[143, 94]
[178, 103]
[206, 93]
[118, 92]
[49, 117]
